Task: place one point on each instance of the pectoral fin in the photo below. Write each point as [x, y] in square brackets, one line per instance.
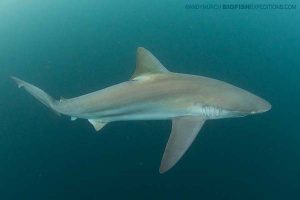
[184, 131]
[98, 124]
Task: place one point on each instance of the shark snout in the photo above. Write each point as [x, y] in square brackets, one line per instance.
[261, 106]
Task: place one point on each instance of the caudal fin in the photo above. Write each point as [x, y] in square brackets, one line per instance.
[37, 93]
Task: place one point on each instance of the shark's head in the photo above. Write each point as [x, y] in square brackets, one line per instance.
[245, 103]
[260, 106]
[228, 100]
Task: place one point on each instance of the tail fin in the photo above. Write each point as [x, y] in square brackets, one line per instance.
[37, 93]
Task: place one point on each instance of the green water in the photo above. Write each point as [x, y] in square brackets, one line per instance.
[70, 48]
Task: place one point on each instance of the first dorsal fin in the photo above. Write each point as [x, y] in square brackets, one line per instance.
[147, 64]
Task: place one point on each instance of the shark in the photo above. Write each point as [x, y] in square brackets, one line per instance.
[155, 93]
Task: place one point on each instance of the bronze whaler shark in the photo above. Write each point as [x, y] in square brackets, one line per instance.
[154, 93]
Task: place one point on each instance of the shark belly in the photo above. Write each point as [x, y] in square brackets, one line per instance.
[143, 110]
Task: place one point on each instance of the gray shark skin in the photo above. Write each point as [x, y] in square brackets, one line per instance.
[154, 93]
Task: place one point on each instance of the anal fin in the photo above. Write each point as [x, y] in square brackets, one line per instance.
[73, 118]
[98, 124]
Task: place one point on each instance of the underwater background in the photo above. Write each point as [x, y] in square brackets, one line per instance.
[69, 48]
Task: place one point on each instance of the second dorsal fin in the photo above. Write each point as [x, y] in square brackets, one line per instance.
[62, 99]
[147, 64]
